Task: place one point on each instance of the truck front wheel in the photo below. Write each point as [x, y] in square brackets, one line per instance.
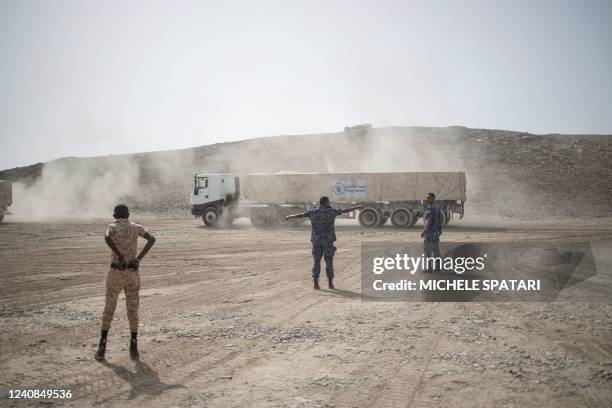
[402, 218]
[210, 216]
[369, 217]
[259, 218]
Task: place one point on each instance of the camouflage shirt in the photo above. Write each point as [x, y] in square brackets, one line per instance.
[434, 212]
[323, 220]
[124, 234]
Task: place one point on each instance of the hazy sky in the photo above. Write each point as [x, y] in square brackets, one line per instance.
[99, 77]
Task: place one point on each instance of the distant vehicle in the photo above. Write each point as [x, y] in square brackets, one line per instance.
[363, 128]
[267, 198]
[6, 197]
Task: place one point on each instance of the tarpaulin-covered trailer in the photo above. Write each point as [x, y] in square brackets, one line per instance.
[267, 198]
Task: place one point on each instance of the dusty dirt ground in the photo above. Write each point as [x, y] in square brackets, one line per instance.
[229, 319]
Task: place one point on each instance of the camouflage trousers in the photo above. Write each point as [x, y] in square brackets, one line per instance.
[116, 281]
[323, 250]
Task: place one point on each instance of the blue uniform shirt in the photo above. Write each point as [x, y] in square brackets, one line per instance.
[323, 220]
[434, 212]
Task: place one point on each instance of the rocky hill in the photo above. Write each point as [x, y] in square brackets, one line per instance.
[509, 173]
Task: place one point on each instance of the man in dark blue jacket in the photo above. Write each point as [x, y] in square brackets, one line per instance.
[323, 235]
[431, 233]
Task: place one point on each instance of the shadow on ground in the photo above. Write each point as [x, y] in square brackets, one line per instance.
[144, 380]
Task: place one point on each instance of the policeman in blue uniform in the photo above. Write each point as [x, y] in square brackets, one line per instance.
[431, 233]
[323, 236]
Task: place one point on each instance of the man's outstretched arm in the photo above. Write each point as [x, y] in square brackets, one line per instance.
[300, 215]
[348, 210]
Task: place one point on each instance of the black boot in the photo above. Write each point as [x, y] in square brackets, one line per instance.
[101, 349]
[316, 284]
[134, 348]
[331, 284]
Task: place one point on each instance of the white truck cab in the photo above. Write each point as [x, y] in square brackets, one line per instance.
[210, 193]
[209, 188]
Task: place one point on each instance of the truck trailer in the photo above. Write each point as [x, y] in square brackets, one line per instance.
[268, 198]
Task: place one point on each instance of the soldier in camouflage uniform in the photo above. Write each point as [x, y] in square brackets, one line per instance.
[121, 236]
[323, 236]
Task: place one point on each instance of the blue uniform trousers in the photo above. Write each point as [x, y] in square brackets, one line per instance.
[324, 250]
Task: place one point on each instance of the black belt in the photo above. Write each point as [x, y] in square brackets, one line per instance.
[123, 266]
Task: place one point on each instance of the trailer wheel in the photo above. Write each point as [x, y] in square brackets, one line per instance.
[369, 217]
[444, 217]
[259, 218]
[279, 217]
[447, 217]
[402, 218]
[414, 220]
[210, 216]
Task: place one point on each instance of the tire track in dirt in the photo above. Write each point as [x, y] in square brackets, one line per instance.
[399, 383]
[221, 291]
[187, 374]
[192, 373]
[196, 364]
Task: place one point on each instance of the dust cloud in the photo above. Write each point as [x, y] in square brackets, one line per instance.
[396, 150]
[76, 188]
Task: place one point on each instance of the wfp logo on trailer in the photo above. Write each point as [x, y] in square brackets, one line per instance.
[353, 189]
